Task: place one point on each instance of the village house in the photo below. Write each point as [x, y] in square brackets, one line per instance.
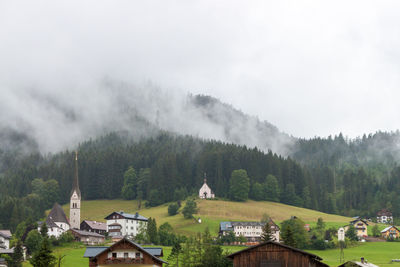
[124, 253]
[275, 255]
[361, 227]
[87, 238]
[130, 224]
[94, 226]
[205, 191]
[5, 237]
[56, 222]
[250, 230]
[384, 216]
[390, 232]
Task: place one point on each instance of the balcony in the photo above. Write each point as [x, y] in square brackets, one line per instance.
[124, 261]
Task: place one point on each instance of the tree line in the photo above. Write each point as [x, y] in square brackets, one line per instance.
[168, 168]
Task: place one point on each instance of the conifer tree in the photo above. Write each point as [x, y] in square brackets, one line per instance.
[43, 257]
[266, 234]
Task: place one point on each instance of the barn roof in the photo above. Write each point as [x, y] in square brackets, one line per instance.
[313, 256]
[96, 225]
[86, 233]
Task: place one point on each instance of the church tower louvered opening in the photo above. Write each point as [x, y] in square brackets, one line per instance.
[75, 202]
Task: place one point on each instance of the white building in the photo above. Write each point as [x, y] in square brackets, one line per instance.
[205, 191]
[384, 216]
[341, 234]
[56, 222]
[250, 230]
[5, 237]
[131, 224]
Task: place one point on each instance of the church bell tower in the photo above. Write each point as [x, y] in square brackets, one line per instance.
[75, 202]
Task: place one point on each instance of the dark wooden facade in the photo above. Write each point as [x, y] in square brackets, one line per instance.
[272, 254]
[141, 258]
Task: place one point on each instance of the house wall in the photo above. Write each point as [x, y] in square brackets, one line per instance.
[6, 242]
[391, 232]
[273, 255]
[130, 227]
[120, 249]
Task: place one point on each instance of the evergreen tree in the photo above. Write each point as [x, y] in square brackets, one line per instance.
[17, 257]
[271, 188]
[257, 191]
[33, 241]
[294, 233]
[152, 231]
[130, 184]
[174, 256]
[43, 257]
[189, 209]
[351, 233]
[44, 230]
[239, 185]
[173, 209]
[266, 234]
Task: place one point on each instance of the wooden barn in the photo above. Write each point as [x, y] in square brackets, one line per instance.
[272, 254]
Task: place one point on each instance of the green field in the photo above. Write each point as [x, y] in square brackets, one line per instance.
[211, 213]
[379, 253]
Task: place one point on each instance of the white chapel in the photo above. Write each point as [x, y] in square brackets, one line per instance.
[205, 191]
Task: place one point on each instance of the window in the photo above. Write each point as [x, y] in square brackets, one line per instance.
[114, 255]
[126, 255]
[137, 254]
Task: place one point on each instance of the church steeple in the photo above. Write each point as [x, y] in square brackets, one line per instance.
[75, 184]
[75, 201]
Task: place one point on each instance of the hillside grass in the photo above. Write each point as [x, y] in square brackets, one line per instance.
[211, 213]
[378, 253]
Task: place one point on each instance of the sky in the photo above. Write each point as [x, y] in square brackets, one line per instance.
[312, 68]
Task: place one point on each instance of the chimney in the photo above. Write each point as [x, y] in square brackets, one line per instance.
[362, 260]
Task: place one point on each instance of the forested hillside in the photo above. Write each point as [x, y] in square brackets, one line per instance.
[170, 167]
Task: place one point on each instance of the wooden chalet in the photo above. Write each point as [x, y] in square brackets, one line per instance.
[390, 232]
[273, 254]
[124, 253]
[87, 238]
[94, 226]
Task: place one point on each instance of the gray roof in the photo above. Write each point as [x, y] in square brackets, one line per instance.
[135, 216]
[57, 215]
[86, 233]
[96, 225]
[158, 252]
[225, 226]
[7, 251]
[91, 252]
[6, 234]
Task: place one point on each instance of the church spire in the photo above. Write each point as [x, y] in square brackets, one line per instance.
[75, 185]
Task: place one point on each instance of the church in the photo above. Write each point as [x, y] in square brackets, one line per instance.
[205, 191]
[57, 222]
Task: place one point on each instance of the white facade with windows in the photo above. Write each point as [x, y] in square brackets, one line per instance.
[131, 224]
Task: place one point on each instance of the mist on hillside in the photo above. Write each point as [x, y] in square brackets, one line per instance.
[54, 118]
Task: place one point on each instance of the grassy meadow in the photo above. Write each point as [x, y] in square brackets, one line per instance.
[379, 253]
[211, 213]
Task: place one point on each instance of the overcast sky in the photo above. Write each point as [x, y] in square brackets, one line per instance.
[309, 67]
